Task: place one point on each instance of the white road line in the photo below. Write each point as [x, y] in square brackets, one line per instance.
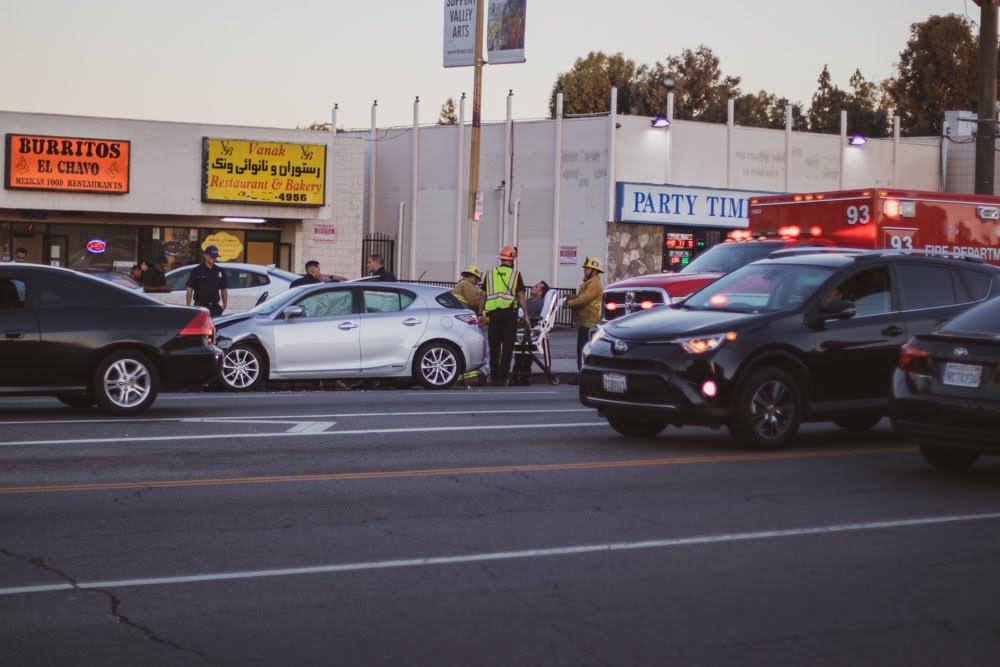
[238, 418]
[285, 434]
[310, 427]
[507, 555]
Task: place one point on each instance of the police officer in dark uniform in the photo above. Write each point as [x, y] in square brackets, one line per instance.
[207, 284]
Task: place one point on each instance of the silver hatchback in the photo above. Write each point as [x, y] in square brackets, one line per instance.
[352, 330]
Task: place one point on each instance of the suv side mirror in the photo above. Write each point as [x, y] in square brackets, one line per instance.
[292, 311]
[838, 309]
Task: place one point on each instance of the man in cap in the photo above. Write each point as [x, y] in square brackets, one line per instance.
[586, 305]
[207, 284]
[154, 280]
[504, 293]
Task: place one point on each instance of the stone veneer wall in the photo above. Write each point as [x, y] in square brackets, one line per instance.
[633, 250]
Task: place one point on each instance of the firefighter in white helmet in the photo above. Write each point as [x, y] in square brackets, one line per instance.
[586, 305]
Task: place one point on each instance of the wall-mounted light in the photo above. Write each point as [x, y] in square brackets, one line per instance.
[856, 140]
[248, 221]
[661, 121]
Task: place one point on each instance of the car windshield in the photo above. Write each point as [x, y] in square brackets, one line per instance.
[727, 257]
[278, 302]
[281, 273]
[760, 288]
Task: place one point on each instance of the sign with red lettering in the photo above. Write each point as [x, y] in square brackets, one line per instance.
[258, 172]
[67, 164]
[96, 246]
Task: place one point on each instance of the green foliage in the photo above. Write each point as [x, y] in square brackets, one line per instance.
[448, 115]
[767, 110]
[587, 86]
[937, 71]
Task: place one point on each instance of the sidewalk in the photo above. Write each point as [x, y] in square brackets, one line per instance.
[562, 346]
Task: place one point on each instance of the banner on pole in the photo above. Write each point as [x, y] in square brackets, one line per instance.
[505, 32]
[459, 33]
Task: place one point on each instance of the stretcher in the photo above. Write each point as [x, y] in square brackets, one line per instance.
[532, 345]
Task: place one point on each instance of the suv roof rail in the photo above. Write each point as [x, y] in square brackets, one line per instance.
[946, 254]
[813, 250]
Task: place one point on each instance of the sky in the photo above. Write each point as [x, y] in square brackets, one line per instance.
[286, 63]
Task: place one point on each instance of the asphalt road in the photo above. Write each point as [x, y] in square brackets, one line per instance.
[477, 527]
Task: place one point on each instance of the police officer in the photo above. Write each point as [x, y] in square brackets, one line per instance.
[504, 292]
[586, 305]
[207, 284]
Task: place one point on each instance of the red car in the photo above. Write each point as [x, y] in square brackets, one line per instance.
[658, 289]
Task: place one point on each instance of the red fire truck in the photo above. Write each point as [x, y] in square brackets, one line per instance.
[882, 218]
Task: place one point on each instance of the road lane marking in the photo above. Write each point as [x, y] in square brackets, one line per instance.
[286, 434]
[429, 413]
[449, 472]
[509, 555]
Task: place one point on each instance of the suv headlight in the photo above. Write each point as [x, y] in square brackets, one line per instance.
[595, 336]
[703, 344]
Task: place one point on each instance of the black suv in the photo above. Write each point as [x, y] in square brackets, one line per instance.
[804, 335]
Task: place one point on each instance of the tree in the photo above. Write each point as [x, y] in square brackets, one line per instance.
[701, 91]
[936, 72]
[827, 103]
[587, 86]
[448, 115]
[767, 110]
[866, 111]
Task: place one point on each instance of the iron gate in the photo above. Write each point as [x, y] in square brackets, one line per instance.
[378, 244]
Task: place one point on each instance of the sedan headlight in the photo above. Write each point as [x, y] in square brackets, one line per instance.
[703, 344]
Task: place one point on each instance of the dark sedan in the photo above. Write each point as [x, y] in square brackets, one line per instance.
[796, 337]
[86, 341]
[946, 391]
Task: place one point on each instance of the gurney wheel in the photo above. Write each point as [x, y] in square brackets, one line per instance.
[553, 381]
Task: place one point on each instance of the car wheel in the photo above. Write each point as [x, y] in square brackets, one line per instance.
[948, 458]
[126, 383]
[242, 368]
[858, 423]
[637, 428]
[436, 366]
[767, 411]
[80, 400]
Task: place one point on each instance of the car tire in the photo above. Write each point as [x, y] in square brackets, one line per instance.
[858, 423]
[952, 459]
[243, 368]
[767, 411]
[125, 383]
[633, 427]
[80, 400]
[436, 366]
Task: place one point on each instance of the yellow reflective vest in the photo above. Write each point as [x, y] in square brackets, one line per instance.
[500, 285]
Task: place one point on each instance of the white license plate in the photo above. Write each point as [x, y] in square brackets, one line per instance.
[962, 375]
[614, 383]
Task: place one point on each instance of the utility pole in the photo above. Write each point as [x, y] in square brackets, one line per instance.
[477, 98]
[986, 127]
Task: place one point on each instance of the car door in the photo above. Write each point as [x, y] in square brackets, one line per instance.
[20, 345]
[323, 341]
[930, 295]
[853, 358]
[393, 322]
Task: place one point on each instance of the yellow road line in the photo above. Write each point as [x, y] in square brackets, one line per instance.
[444, 472]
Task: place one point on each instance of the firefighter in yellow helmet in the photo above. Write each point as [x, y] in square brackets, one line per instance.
[504, 293]
[586, 305]
[467, 289]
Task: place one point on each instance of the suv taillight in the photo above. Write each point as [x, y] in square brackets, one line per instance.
[908, 354]
[201, 325]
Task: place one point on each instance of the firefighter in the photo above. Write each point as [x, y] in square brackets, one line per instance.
[504, 293]
[586, 306]
[467, 289]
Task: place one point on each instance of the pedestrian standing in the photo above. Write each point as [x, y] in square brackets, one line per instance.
[154, 278]
[586, 306]
[207, 284]
[376, 267]
[504, 293]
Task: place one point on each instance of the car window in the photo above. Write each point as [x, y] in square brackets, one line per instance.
[11, 293]
[327, 304]
[984, 318]
[386, 301]
[449, 300]
[242, 279]
[978, 283]
[66, 291]
[761, 287]
[925, 286]
[178, 281]
[727, 257]
[870, 290]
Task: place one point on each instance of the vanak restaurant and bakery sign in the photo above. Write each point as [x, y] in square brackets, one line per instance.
[68, 164]
[257, 172]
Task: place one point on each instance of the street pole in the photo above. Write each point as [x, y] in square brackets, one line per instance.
[986, 128]
[477, 95]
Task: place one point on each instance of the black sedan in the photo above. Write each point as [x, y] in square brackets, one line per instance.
[946, 391]
[86, 341]
[791, 338]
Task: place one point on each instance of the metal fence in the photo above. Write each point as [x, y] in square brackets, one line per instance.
[564, 316]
